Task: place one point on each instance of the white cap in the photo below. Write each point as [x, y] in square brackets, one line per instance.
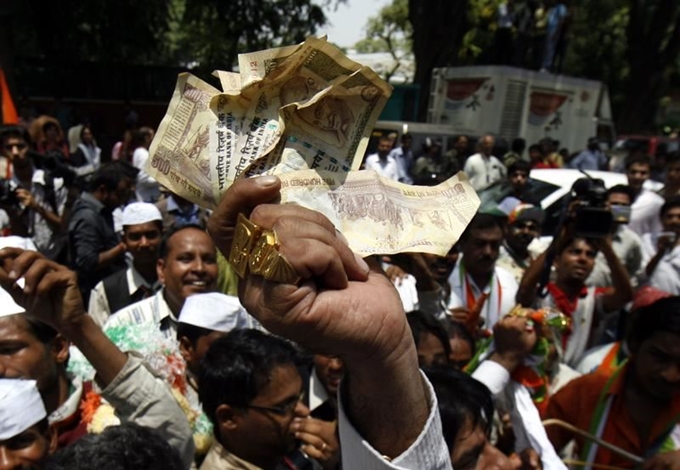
[20, 407]
[214, 311]
[13, 241]
[7, 304]
[140, 213]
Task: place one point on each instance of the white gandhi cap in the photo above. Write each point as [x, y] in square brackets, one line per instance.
[20, 407]
[7, 304]
[214, 311]
[140, 213]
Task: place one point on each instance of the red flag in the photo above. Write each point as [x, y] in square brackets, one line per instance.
[9, 111]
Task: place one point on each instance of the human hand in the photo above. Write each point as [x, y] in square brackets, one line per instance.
[514, 339]
[460, 314]
[319, 440]
[50, 293]
[528, 459]
[665, 242]
[338, 308]
[26, 198]
[665, 461]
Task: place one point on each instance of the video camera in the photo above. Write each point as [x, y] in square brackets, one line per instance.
[8, 193]
[590, 217]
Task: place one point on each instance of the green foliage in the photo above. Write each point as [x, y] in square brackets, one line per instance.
[482, 16]
[390, 31]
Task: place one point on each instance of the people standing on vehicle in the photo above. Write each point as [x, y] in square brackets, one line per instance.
[482, 168]
[644, 217]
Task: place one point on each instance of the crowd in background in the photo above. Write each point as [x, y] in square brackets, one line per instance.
[139, 324]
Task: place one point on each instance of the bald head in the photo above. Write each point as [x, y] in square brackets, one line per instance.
[486, 144]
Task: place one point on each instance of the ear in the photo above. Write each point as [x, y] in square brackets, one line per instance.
[226, 417]
[160, 266]
[59, 349]
[51, 440]
[186, 349]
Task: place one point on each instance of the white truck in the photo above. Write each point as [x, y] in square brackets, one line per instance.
[510, 102]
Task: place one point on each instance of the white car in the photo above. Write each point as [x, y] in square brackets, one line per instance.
[551, 187]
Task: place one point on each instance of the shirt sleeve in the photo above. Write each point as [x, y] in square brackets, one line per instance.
[429, 451]
[87, 245]
[141, 398]
[493, 375]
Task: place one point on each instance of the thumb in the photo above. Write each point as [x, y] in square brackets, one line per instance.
[242, 197]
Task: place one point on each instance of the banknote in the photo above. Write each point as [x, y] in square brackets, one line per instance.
[230, 81]
[180, 157]
[381, 216]
[254, 66]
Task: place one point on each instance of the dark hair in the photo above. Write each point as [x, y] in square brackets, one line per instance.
[163, 247]
[671, 203]
[49, 124]
[422, 323]
[109, 175]
[44, 332]
[82, 131]
[567, 242]
[125, 447]
[191, 332]
[621, 189]
[15, 132]
[482, 221]
[638, 160]
[519, 165]
[139, 136]
[536, 148]
[461, 398]
[237, 367]
[518, 145]
[406, 136]
[673, 158]
[457, 330]
[662, 315]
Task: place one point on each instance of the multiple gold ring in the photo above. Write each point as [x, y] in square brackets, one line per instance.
[256, 249]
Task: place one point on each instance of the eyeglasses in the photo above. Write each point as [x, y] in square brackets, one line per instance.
[9, 147]
[281, 410]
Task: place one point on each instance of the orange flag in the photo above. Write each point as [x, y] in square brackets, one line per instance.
[9, 111]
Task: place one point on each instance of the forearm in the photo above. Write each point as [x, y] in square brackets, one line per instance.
[653, 263]
[109, 256]
[372, 407]
[53, 219]
[104, 356]
[526, 293]
[620, 281]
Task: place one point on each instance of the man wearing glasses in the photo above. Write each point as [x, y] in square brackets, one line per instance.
[251, 390]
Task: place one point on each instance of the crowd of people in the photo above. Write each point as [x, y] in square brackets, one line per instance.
[128, 341]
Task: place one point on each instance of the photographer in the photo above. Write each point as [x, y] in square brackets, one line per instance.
[586, 306]
[33, 198]
[661, 250]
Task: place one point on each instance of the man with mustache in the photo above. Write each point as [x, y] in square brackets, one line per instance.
[586, 306]
[524, 225]
[477, 284]
[187, 265]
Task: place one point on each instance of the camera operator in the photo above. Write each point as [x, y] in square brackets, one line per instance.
[573, 258]
[33, 198]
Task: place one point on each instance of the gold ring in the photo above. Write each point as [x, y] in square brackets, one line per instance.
[257, 249]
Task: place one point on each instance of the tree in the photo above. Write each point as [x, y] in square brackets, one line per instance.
[390, 31]
[438, 30]
[215, 31]
[653, 35]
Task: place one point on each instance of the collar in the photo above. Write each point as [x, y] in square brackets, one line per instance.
[317, 393]
[135, 280]
[70, 406]
[93, 201]
[162, 306]
[219, 457]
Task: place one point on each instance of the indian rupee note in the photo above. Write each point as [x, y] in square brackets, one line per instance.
[230, 81]
[180, 158]
[381, 216]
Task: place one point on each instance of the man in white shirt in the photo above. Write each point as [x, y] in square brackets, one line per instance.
[382, 162]
[482, 168]
[644, 217]
[403, 155]
[661, 251]
[477, 284]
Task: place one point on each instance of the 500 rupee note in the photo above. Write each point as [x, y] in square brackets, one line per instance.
[381, 216]
[179, 152]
